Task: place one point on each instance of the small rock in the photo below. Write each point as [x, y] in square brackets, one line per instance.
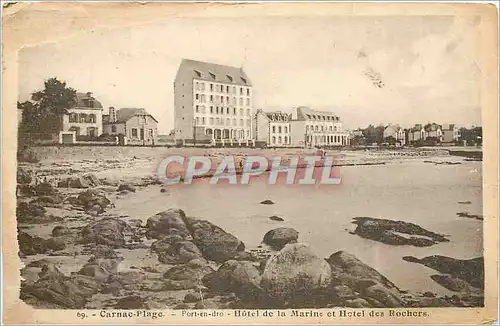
[130, 302]
[126, 187]
[276, 218]
[162, 190]
[267, 202]
[193, 297]
[206, 304]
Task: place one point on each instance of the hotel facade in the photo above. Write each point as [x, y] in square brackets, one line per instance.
[212, 103]
[304, 127]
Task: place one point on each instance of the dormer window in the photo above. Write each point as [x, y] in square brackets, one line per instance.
[230, 78]
[198, 74]
[212, 75]
[244, 80]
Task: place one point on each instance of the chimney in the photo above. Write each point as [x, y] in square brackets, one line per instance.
[112, 114]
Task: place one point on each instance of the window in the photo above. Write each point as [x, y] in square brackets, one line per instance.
[274, 129]
[211, 98]
[227, 88]
[274, 140]
[202, 98]
[286, 130]
[248, 91]
[241, 122]
[202, 87]
[241, 90]
[227, 100]
[197, 120]
[234, 100]
[234, 111]
[211, 121]
[211, 88]
[307, 128]
[197, 109]
[248, 122]
[234, 122]
[217, 109]
[279, 129]
[227, 110]
[228, 122]
[234, 90]
[217, 121]
[73, 117]
[222, 99]
[248, 112]
[203, 120]
[279, 140]
[82, 117]
[248, 102]
[211, 109]
[241, 111]
[197, 96]
[331, 128]
[134, 132]
[241, 101]
[222, 121]
[113, 128]
[202, 109]
[285, 140]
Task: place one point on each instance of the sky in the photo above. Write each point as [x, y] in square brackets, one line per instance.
[427, 65]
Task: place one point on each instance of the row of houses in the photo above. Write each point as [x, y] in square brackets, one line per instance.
[86, 122]
[214, 104]
[431, 132]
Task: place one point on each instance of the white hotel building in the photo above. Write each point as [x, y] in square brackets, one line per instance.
[212, 103]
[305, 127]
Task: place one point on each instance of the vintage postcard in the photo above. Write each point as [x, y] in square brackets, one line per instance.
[249, 163]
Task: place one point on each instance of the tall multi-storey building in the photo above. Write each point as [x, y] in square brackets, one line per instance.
[212, 102]
[313, 128]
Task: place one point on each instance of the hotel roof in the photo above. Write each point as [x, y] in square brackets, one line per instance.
[207, 71]
[305, 113]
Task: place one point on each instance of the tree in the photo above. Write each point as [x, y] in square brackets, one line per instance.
[43, 114]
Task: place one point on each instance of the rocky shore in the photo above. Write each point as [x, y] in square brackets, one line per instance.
[183, 262]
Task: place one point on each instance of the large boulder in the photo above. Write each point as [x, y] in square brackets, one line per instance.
[193, 270]
[93, 197]
[295, 271]
[100, 268]
[239, 277]
[178, 253]
[108, 231]
[45, 189]
[55, 290]
[349, 270]
[31, 245]
[74, 182]
[23, 176]
[166, 223]
[381, 294]
[187, 276]
[278, 238]
[215, 243]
